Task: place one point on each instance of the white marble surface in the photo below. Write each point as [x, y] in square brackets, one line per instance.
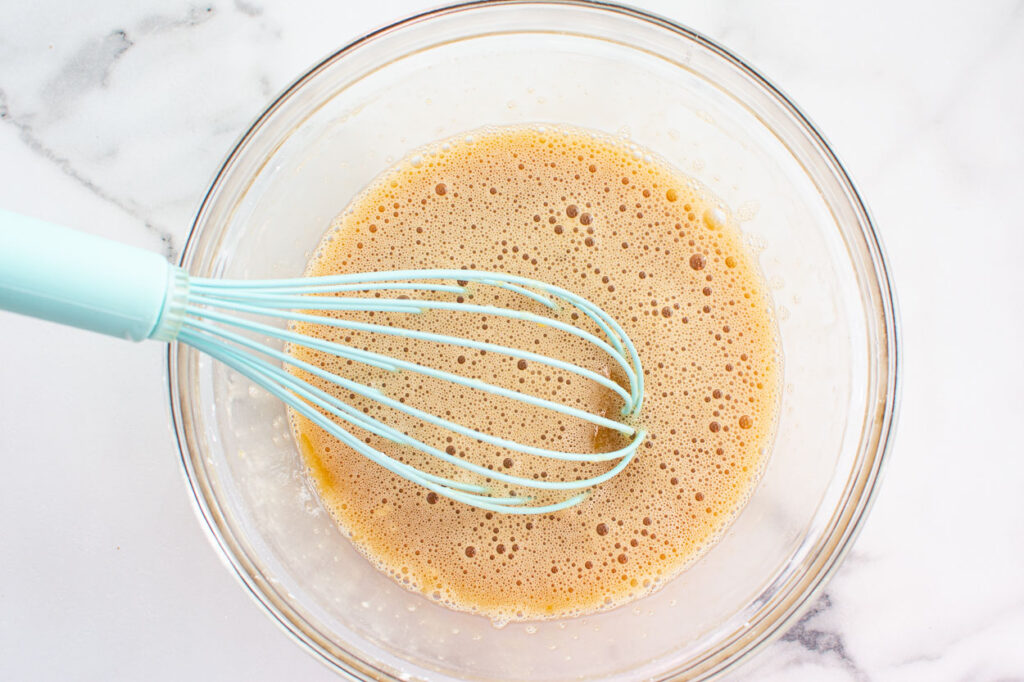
[115, 115]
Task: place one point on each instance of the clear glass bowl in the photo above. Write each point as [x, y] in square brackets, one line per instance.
[602, 67]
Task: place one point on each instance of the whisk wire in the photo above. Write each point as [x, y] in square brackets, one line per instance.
[355, 417]
[514, 283]
[261, 373]
[420, 335]
[392, 364]
[212, 309]
[268, 302]
[378, 396]
[607, 324]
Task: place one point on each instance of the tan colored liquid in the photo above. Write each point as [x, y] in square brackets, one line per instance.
[590, 214]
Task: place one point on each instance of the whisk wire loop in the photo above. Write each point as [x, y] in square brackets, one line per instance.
[378, 396]
[296, 396]
[264, 302]
[217, 306]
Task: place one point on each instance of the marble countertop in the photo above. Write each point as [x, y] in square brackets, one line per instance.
[114, 118]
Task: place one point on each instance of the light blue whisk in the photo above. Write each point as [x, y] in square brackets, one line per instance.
[78, 279]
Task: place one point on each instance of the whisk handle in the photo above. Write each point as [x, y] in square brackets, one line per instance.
[78, 279]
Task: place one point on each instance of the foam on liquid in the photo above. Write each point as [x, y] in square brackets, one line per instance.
[596, 216]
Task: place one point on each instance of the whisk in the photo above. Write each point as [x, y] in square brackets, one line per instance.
[78, 279]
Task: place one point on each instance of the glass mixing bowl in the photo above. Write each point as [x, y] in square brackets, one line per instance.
[601, 67]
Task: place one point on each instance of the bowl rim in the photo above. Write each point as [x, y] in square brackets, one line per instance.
[864, 485]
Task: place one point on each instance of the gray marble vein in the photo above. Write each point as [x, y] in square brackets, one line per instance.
[822, 641]
[32, 141]
[89, 67]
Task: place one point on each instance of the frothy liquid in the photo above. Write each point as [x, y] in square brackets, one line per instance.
[593, 215]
